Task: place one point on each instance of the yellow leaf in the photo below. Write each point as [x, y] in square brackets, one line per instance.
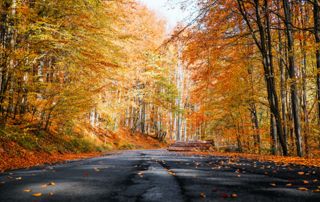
[302, 189]
[37, 194]
[289, 185]
[27, 190]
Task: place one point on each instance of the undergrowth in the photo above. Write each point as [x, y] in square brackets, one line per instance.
[42, 141]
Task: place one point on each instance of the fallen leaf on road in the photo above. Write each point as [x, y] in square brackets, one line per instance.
[305, 182]
[140, 174]
[44, 186]
[37, 194]
[273, 184]
[51, 194]
[202, 195]
[315, 180]
[234, 195]
[289, 185]
[27, 190]
[316, 191]
[171, 172]
[18, 178]
[97, 169]
[302, 189]
[51, 184]
[301, 173]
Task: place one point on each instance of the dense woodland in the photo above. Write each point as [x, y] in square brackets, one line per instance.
[256, 72]
[244, 74]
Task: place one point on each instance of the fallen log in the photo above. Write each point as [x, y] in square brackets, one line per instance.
[190, 146]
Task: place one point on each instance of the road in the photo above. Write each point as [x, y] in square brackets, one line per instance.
[158, 175]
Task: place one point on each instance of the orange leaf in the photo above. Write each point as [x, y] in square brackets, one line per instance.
[37, 194]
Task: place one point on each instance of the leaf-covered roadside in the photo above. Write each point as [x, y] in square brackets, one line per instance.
[315, 162]
[19, 149]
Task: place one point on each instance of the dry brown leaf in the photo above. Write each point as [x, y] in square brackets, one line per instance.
[273, 184]
[289, 185]
[37, 194]
[316, 191]
[202, 195]
[305, 182]
[18, 178]
[51, 184]
[300, 173]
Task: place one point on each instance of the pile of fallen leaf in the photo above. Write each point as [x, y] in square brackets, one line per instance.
[14, 157]
[276, 159]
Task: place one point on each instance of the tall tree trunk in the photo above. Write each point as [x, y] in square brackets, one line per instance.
[292, 74]
[304, 103]
[283, 90]
[316, 17]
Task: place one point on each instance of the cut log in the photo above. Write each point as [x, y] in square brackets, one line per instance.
[190, 146]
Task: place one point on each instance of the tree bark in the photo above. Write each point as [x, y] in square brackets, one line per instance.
[292, 74]
[316, 17]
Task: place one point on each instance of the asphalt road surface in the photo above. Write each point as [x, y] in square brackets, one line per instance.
[158, 175]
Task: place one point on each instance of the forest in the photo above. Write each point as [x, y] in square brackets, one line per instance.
[243, 74]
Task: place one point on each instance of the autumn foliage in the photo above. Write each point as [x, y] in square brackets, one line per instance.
[242, 74]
